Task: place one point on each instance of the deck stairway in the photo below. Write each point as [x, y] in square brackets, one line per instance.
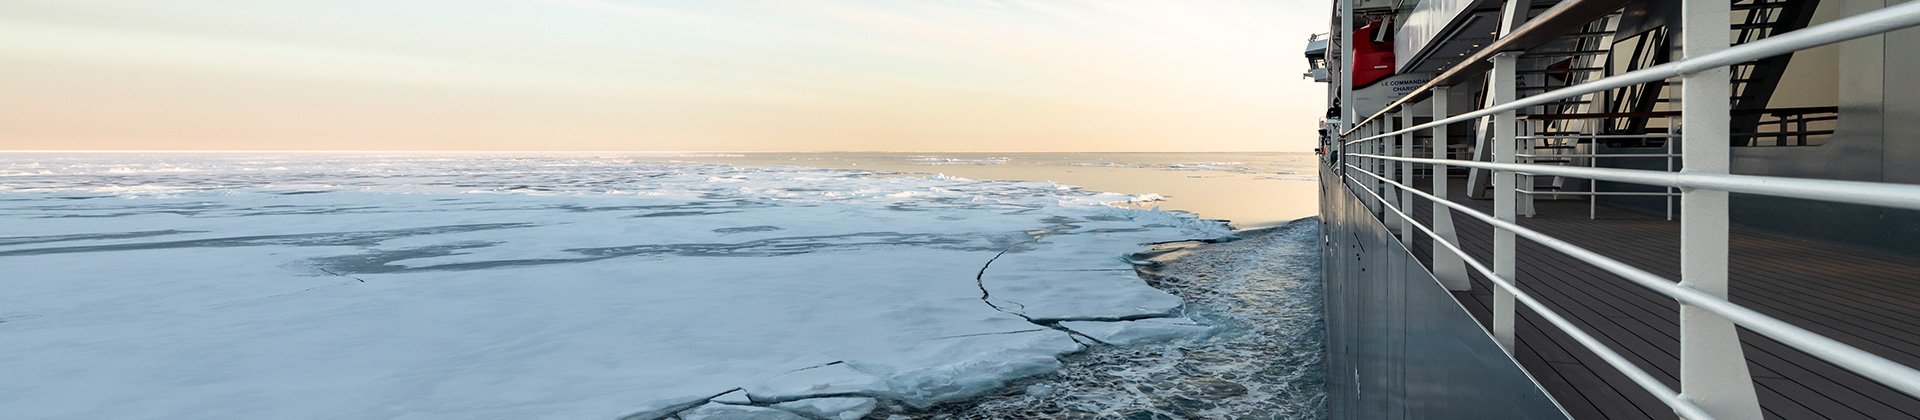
[1577, 58]
[1755, 81]
[1622, 115]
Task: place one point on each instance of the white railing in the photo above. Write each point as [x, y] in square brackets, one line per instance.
[1713, 377]
[1639, 376]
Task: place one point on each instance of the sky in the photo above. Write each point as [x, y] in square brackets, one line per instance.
[632, 75]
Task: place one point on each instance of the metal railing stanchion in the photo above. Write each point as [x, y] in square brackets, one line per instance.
[1526, 181]
[1505, 193]
[1372, 146]
[1673, 126]
[1406, 171]
[1713, 369]
[1390, 145]
[1593, 187]
[1448, 267]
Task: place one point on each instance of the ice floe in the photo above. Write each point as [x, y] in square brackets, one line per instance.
[1125, 333]
[842, 408]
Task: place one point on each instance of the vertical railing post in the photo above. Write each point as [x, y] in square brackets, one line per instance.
[1373, 165]
[1447, 266]
[1504, 192]
[1505, 86]
[1366, 130]
[1383, 167]
[1673, 127]
[1406, 174]
[1380, 167]
[1527, 182]
[1389, 146]
[1713, 369]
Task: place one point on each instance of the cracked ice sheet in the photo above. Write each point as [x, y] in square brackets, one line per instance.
[1080, 272]
[831, 408]
[1125, 333]
[571, 302]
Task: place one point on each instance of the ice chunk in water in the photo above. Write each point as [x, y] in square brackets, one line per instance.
[832, 379]
[841, 408]
[737, 412]
[1124, 333]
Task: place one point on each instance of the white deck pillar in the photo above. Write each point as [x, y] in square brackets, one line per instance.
[1406, 173]
[1372, 165]
[1447, 266]
[1527, 182]
[1390, 146]
[1713, 369]
[1383, 166]
[1504, 192]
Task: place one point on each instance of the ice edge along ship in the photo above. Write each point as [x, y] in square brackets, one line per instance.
[1621, 208]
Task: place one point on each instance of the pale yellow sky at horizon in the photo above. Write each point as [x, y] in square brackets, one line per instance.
[610, 75]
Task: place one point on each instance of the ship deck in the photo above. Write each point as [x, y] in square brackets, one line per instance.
[1864, 298]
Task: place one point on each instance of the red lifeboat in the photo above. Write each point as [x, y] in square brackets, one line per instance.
[1372, 60]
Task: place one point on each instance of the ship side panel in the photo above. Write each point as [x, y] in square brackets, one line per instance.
[1399, 346]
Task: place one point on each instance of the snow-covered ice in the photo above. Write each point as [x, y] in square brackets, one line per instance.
[463, 286]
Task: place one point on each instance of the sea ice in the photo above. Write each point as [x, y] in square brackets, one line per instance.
[464, 286]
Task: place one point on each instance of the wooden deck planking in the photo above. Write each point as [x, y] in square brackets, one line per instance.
[1865, 299]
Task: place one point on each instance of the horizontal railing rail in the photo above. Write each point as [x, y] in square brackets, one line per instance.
[1601, 193]
[1604, 155]
[1902, 196]
[1601, 115]
[1598, 136]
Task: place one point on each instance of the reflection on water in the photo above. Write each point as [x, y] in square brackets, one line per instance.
[1250, 189]
[1261, 293]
